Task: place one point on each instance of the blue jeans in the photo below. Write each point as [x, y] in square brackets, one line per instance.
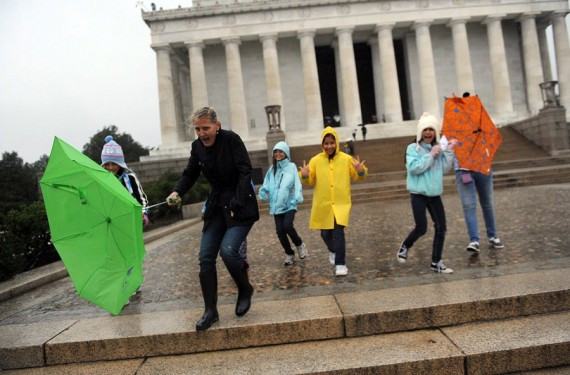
[481, 185]
[334, 239]
[217, 236]
[433, 205]
[284, 227]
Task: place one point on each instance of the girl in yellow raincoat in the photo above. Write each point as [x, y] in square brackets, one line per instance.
[330, 171]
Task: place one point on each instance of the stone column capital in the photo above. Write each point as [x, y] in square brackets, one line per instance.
[268, 36]
[304, 33]
[231, 40]
[526, 16]
[344, 30]
[384, 26]
[194, 43]
[492, 18]
[559, 13]
[161, 47]
[423, 23]
[458, 21]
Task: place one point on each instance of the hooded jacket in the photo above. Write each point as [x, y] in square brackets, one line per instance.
[282, 188]
[424, 172]
[331, 177]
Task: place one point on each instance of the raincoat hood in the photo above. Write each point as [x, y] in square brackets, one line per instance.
[325, 132]
[283, 147]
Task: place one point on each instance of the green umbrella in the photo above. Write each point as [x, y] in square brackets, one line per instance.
[96, 227]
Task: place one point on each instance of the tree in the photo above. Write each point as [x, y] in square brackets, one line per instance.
[18, 182]
[131, 148]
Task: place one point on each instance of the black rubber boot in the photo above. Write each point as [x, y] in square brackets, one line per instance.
[245, 290]
[209, 284]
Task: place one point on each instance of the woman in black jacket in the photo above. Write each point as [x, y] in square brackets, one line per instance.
[231, 208]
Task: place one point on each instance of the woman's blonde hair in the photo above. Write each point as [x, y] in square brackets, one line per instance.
[205, 112]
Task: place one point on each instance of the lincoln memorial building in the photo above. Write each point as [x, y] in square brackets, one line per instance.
[350, 62]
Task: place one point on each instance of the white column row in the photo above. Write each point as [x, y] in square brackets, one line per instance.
[536, 65]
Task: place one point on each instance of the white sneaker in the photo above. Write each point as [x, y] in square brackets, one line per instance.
[332, 257]
[341, 270]
[439, 267]
[302, 249]
[289, 259]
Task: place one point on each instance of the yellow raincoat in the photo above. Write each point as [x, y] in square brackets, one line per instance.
[331, 177]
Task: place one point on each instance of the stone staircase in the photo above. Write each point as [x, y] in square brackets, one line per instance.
[493, 325]
[518, 162]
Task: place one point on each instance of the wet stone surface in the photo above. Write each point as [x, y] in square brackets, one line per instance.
[532, 222]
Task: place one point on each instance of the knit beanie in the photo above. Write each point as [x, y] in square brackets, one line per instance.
[427, 121]
[112, 152]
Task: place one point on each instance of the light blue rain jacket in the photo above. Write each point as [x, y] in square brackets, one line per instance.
[283, 189]
[425, 174]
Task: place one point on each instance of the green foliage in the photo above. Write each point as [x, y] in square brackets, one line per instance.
[131, 148]
[18, 183]
[158, 191]
[24, 240]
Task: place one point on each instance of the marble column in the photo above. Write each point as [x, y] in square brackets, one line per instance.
[532, 63]
[377, 77]
[541, 26]
[350, 94]
[313, 105]
[499, 69]
[199, 87]
[428, 81]
[391, 94]
[463, 69]
[166, 100]
[562, 49]
[238, 110]
[188, 133]
[272, 78]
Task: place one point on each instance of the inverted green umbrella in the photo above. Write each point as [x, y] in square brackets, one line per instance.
[96, 227]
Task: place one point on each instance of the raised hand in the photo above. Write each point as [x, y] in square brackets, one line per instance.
[304, 170]
[357, 164]
[435, 150]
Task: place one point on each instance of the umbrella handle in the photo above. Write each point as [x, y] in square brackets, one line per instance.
[72, 189]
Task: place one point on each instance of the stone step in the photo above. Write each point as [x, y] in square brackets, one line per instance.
[496, 347]
[394, 189]
[341, 316]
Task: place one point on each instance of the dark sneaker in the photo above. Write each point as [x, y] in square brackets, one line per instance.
[439, 267]
[473, 247]
[496, 243]
[402, 255]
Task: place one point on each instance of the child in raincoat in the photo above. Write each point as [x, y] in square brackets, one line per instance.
[426, 162]
[113, 160]
[330, 172]
[282, 189]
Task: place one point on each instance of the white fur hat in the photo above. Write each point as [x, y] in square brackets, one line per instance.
[427, 121]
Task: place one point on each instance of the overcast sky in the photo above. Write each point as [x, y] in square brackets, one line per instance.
[70, 67]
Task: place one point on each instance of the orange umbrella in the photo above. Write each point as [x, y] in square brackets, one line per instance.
[466, 120]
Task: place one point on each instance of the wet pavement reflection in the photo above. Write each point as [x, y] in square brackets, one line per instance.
[532, 222]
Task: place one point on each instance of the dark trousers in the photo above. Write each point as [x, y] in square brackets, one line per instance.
[434, 205]
[334, 239]
[284, 227]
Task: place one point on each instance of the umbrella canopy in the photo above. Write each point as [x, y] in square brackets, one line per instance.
[466, 120]
[96, 227]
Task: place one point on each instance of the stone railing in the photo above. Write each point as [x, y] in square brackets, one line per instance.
[549, 130]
